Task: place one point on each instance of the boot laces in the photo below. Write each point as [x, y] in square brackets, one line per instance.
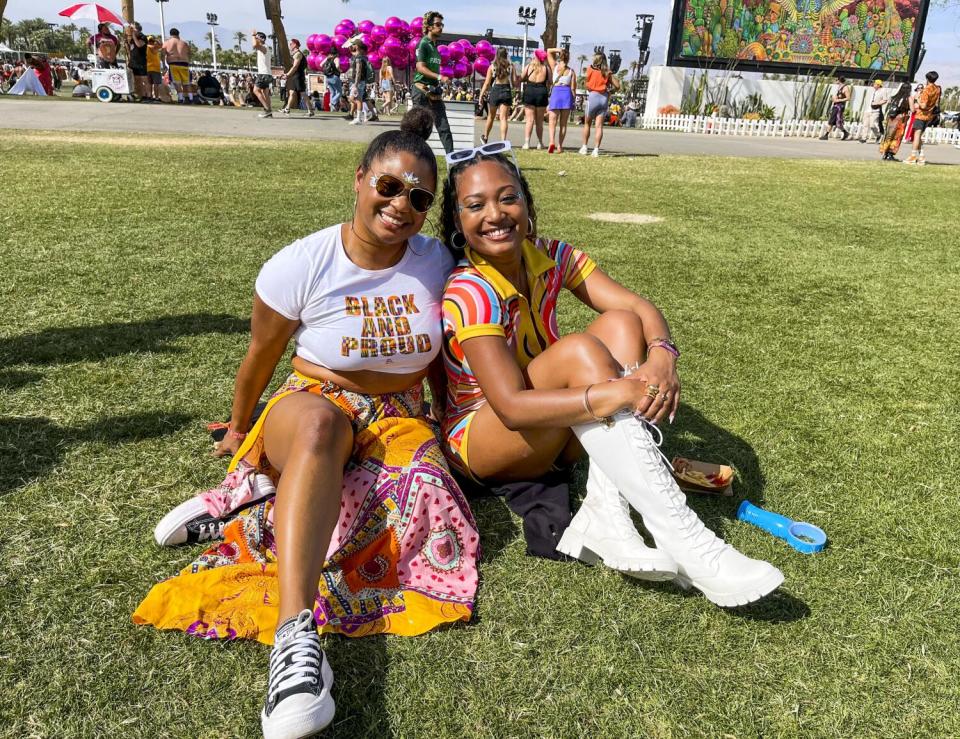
[650, 438]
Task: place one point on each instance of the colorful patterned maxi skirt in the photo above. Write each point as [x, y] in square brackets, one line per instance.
[402, 559]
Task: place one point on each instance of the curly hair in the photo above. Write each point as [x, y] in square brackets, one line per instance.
[415, 129]
[448, 224]
[428, 20]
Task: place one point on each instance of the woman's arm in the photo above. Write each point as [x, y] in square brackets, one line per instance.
[602, 293]
[519, 407]
[270, 333]
[486, 82]
[437, 380]
[615, 81]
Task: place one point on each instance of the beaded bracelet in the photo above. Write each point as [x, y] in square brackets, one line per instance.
[664, 344]
[235, 434]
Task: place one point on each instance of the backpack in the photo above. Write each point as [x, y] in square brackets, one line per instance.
[331, 68]
[369, 75]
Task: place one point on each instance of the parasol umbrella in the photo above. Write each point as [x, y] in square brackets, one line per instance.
[91, 12]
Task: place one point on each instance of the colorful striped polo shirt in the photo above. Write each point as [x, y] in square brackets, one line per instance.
[479, 301]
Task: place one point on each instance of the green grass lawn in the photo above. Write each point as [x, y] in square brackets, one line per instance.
[816, 303]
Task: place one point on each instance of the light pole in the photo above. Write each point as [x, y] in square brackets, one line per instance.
[565, 42]
[163, 25]
[527, 17]
[212, 22]
[642, 33]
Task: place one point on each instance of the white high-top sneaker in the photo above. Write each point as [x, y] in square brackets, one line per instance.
[603, 529]
[628, 454]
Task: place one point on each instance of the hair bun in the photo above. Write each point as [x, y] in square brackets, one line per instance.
[418, 121]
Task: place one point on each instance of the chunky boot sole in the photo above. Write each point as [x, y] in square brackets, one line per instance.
[756, 590]
[305, 723]
[574, 544]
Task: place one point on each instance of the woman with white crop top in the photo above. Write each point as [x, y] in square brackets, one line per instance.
[391, 541]
[561, 96]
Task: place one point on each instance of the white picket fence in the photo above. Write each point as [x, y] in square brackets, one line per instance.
[794, 128]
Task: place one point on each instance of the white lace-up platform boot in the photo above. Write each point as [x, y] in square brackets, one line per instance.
[627, 452]
[603, 529]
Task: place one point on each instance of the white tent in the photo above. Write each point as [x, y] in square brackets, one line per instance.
[4, 49]
[28, 82]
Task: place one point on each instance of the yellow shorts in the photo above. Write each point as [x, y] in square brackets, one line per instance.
[179, 74]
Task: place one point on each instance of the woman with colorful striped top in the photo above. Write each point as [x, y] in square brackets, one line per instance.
[520, 398]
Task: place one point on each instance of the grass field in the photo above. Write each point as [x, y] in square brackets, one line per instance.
[816, 303]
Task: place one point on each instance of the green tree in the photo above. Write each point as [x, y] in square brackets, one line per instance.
[239, 37]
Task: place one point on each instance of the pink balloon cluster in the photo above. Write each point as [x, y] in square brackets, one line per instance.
[397, 40]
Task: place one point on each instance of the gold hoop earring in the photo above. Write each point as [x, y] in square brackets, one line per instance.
[531, 229]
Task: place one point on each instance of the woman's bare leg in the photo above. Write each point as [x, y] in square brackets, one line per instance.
[309, 441]
[599, 132]
[552, 123]
[621, 331]
[488, 126]
[504, 121]
[528, 121]
[564, 117]
[496, 452]
[538, 114]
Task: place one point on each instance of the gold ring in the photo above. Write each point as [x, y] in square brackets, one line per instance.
[653, 386]
[666, 397]
[652, 392]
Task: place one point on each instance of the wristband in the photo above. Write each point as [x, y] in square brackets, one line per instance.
[235, 434]
[664, 344]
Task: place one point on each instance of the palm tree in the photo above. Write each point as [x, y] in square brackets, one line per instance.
[239, 37]
[3, 6]
[583, 60]
[276, 19]
[551, 11]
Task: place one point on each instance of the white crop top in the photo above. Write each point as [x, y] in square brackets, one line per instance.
[358, 319]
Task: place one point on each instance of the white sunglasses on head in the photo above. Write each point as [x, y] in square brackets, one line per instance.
[493, 147]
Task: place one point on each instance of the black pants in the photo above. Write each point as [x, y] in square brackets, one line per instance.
[439, 111]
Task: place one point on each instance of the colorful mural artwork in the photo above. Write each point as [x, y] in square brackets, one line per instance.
[872, 37]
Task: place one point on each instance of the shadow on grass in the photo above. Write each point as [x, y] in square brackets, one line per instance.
[359, 688]
[13, 379]
[89, 343]
[695, 437]
[32, 447]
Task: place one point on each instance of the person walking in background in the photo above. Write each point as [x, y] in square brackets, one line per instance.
[926, 110]
[360, 69]
[872, 123]
[176, 53]
[840, 99]
[561, 96]
[331, 78]
[499, 83]
[600, 81]
[136, 44]
[297, 80]
[427, 81]
[897, 113]
[264, 79]
[386, 85]
[154, 75]
[535, 96]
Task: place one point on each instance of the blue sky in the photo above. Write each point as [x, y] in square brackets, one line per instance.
[582, 19]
